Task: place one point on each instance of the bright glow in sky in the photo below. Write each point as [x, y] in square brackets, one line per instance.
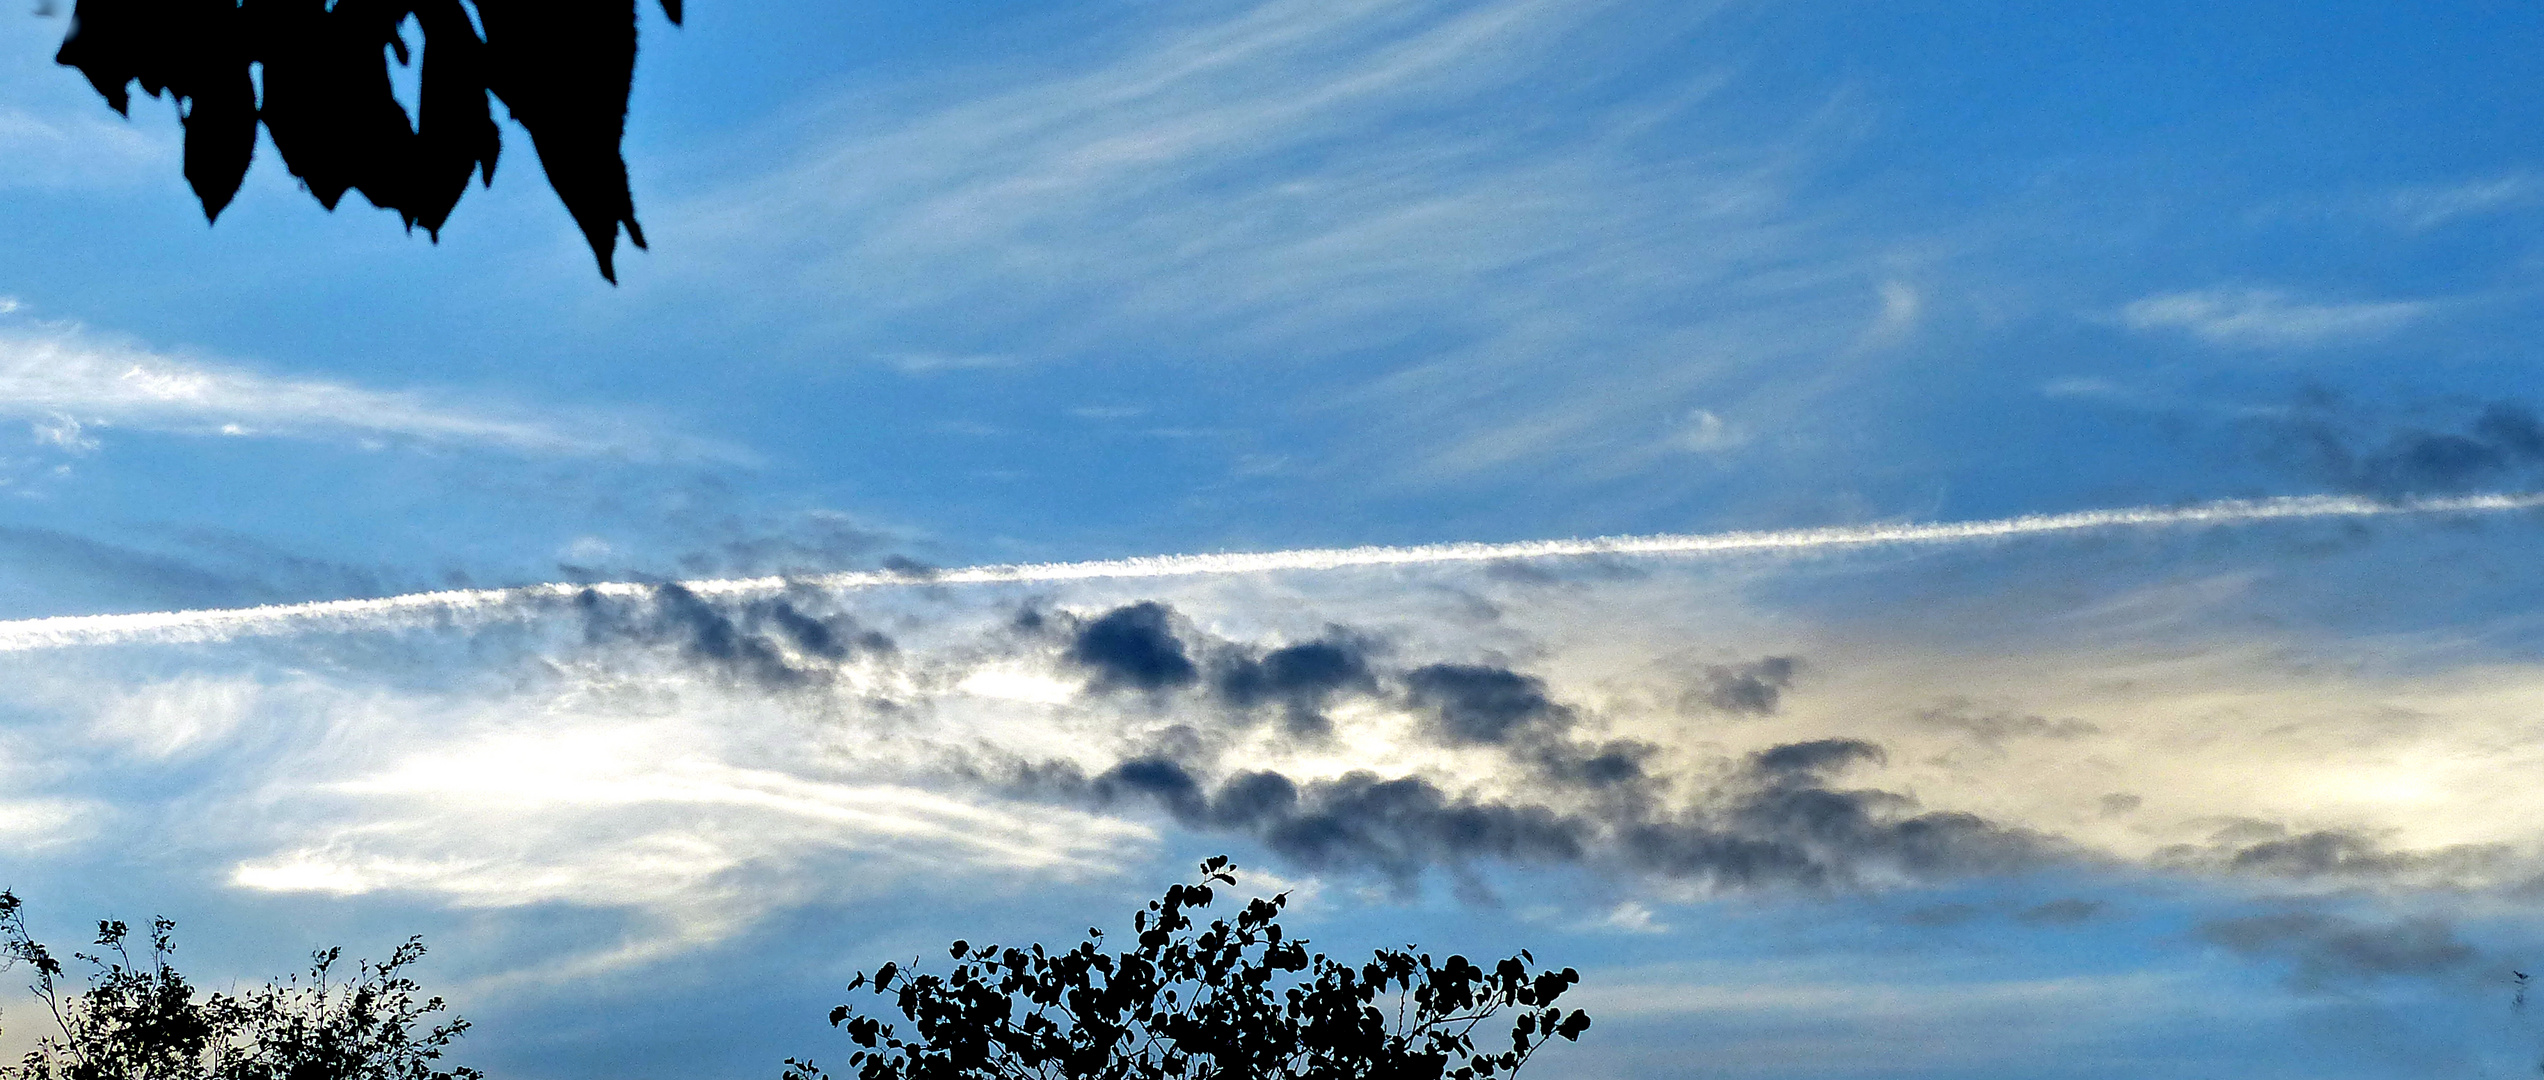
[1001, 284]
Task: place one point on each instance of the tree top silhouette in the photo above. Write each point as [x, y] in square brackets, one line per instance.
[315, 74]
[1235, 1000]
[140, 1019]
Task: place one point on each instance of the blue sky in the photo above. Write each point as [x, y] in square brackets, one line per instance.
[993, 283]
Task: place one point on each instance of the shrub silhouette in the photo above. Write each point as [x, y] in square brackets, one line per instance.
[315, 73]
[141, 1020]
[1236, 1000]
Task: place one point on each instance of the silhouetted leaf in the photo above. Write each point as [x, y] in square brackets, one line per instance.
[323, 91]
[220, 139]
[564, 68]
[456, 132]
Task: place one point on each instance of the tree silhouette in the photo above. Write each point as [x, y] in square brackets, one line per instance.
[1234, 1001]
[141, 1020]
[315, 74]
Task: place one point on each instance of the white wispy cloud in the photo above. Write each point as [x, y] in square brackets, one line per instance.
[653, 814]
[699, 812]
[2271, 318]
[1426, 203]
[69, 381]
[71, 147]
[1820, 1018]
[2430, 206]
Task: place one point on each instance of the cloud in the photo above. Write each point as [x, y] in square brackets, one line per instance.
[1551, 791]
[1819, 755]
[1425, 218]
[634, 786]
[601, 816]
[2500, 443]
[1133, 647]
[1992, 729]
[771, 644]
[2270, 318]
[1303, 678]
[1706, 432]
[2327, 950]
[141, 576]
[1941, 915]
[677, 748]
[1753, 689]
[702, 758]
[2270, 849]
[2430, 206]
[71, 382]
[79, 148]
[799, 546]
[1782, 828]
[2071, 911]
[1474, 703]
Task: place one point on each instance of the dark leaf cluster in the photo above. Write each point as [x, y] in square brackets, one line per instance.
[1235, 999]
[315, 74]
[141, 1019]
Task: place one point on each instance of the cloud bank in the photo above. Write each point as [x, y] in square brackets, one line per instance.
[68, 382]
[702, 761]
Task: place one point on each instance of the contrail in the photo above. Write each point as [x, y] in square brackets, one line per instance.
[464, 606]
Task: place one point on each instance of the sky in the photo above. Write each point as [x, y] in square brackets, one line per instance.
[1913, 749]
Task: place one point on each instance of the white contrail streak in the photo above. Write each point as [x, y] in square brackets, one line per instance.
[480, 605]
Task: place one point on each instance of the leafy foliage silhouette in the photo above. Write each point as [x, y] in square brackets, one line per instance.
[141, 1020]
[1234, 1001]
[563, 68]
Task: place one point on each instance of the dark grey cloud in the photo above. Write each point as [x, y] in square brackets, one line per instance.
[1302, 679]
[2326, 950]
[909, 567]
[1570, 794]
[1471, 704]
[1133, 647]
[1150, 647]
[1754, 689]
[1399, 825]
[2067, 912]
[1993, 728]
[2269, 849]
[1775, 818]
[1788, 798]
[2071, 911]
[1614, 766]
[1816, 756]
[2497, 444]
[813, 544]
[773, 643]
[120, 576]
[1938, 916]
[1520, 572]
[281, 572]
[699, 527]
[1775, 823]
[1571, 571]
